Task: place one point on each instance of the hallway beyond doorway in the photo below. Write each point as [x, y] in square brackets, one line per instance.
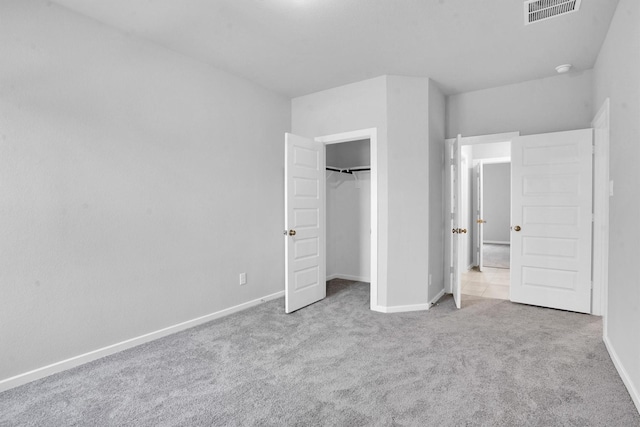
[490, 283]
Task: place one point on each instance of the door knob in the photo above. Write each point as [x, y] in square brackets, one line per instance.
[459, 230]
[292, 232]
[517, 228]
[481, 221]
[463, 230]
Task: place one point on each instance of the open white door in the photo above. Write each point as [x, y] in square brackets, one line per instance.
[479, 214]
[551, 177]
[304, 216]
[455, 173]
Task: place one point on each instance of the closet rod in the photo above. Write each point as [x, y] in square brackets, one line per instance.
[348, 170]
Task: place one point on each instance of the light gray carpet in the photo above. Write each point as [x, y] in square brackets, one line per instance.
[492, 363]
[497, 256]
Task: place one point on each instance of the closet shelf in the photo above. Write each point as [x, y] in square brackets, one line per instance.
[349, 170]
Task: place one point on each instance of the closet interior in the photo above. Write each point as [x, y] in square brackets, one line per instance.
[348, 210]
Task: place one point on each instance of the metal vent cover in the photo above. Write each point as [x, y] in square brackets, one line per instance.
[540, 10]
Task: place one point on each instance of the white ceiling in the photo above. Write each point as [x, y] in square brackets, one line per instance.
[297, 47]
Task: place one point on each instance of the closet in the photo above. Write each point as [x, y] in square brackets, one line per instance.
[348, 210]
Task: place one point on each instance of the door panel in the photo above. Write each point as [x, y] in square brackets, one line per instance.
[456, 219]
[305, 271]
[551, 196]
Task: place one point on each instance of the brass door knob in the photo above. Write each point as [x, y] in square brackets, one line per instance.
[517, 228]
[481, 221]
[292, 232]
[463, 230]
[459, 230]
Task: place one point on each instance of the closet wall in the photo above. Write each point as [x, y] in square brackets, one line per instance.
[349, 212]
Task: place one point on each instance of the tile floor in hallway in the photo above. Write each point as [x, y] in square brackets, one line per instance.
[490, 283]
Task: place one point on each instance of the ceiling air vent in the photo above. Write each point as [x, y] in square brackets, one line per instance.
[539, 10]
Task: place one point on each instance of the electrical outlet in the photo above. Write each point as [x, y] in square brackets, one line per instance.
[243, 278]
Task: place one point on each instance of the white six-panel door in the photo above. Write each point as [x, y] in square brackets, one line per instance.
[305, 259]
[551, 215]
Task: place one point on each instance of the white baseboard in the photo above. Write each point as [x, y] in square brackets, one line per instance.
[635, 395]
[72, 362]
[436, 298]
[496, 242]
[401, 308]
[349, 277]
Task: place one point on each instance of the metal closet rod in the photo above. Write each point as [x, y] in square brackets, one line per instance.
[348, 170]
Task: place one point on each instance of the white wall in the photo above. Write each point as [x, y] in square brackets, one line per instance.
[135, 185]
[408, 168]
[436, 190]
[617, 76]
[558, 103]
[497, 202]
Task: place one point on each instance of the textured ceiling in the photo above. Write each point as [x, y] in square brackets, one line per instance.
[296, 47]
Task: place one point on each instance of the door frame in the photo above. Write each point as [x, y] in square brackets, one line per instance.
[601, 194]
[477, 228]
[372, 135]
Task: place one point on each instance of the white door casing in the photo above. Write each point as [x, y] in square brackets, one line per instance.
[551, 214]
[305, 248]
[479, 217]
[456, 219]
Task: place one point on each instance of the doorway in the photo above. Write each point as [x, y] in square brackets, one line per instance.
[305, 216]
[487, 189]
[348, 214]
[494, 198]
[551, 216]
[372, 136]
